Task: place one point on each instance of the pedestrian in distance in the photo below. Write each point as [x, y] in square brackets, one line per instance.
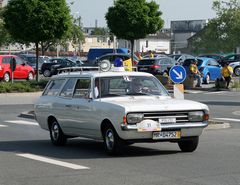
[194, 72]
[151, 55]
[227, 72]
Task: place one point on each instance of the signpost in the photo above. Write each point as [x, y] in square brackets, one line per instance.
[13, 66]
[178, 75]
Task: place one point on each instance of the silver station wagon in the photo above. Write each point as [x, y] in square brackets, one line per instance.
[119, 108]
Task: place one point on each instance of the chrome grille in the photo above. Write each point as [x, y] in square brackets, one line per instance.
[180, 116]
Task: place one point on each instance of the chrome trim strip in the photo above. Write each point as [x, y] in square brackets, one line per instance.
[170, 126]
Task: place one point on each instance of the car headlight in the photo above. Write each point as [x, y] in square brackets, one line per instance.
[196, 116]
[134, 118]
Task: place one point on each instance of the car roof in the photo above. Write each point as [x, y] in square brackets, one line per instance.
[95, 74]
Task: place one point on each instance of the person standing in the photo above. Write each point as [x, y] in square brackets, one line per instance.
[193, 69]
[227, 72]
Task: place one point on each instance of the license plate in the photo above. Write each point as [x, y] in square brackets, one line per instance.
[143, 69]
[148, 126]
[167, 135]
[167, 120]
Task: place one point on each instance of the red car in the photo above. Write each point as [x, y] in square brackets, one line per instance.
[22, 70]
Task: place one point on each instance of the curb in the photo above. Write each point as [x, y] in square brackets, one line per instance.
[211, 124]
[217, 125]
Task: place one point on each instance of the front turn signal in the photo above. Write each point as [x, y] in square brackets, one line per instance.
[206, 117]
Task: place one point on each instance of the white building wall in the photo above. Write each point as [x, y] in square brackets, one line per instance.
[144, 45]
[156, 45]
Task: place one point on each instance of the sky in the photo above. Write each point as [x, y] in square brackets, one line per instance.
[172, 10]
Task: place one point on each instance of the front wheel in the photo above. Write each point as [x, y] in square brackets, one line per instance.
[112, 143]
[237, 71]
[56, 134]
[188, 145]
[47, 73]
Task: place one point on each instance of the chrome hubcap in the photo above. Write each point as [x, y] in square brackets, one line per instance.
[6, 77]
[30, 76]
[207, 78]
[46, 73]
[55, 131]
[237, 71]
[109, 137]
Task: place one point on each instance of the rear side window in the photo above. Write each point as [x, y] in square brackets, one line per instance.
[82, 88]
[146, 62]
[54, 87]
[6, 60]
[68, 88]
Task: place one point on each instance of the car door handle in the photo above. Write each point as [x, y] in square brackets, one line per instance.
[69, 106]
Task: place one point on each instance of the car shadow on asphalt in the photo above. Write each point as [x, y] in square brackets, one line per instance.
[76, 149]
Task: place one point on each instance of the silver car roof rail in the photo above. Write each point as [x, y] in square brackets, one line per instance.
[89, 68]
[81, 69]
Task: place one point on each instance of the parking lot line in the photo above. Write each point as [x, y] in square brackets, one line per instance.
[3, 126]
[52, 161]
[22, 122]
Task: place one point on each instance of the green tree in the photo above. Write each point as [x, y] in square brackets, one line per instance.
[74, 34]
[35, 21]
[133, 20]
[4, 35]
[221, 33]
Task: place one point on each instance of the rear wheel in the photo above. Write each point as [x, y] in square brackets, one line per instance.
[57, 136]
[112, 143]
[207, 79]
[188, 145]
[30, 76]
[47, 73]
[6, 77]
[237, 71]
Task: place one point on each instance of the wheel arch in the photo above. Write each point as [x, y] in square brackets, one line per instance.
[50, 121]
[104, 123]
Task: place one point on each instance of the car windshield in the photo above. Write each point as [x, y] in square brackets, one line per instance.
[176, 57]
[128, 86]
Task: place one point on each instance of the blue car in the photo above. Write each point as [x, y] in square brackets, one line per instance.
[209, 67]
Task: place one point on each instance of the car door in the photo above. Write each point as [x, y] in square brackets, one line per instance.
[80, 109]
[21, 69]
[214, 69]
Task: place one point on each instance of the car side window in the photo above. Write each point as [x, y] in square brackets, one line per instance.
[19, 61]
[68, 88]
[54, 87]
[6, 60]
[82, 88]
[212, 63]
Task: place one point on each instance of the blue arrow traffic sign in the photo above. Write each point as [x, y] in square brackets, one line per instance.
[177, 74]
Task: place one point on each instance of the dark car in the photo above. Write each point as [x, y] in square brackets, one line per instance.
[111, 58]
[217, 57]
[51, 68]
[232, 58]
[156, 66]
[31, 60]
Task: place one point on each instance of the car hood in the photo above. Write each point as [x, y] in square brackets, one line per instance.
[154, 103]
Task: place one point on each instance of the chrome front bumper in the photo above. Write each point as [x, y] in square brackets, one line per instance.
[128, 132]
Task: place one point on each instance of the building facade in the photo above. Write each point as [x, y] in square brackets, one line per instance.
[182, 31]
